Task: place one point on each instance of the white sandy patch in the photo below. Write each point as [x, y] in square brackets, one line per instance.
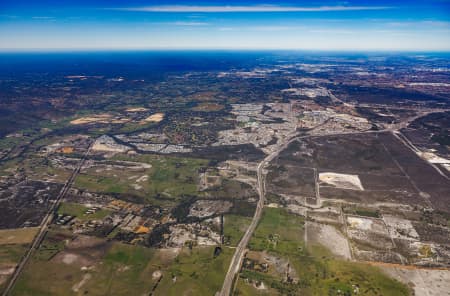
[261, 286]
[7, 271]
[433, 158]
[344, 181]
[136, 186]
[80, 284]
[331, 238]
[296, 209]
[156, 274]
[425, 282]
[137, 109]
[359, 223]
[157, 117]
[142, 178]
[108, 144]
[69, 258]
[400, 228]
[100, 118]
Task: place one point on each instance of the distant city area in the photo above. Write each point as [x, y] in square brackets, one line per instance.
[230, 173]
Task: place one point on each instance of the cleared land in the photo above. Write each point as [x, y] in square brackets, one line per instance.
[168, 178]
[17, 236]
[377, 162]
[344, 181]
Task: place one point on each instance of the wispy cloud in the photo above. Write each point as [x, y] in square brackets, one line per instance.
[429, 23]
[332, 31]
[188, 24]
[8, 16]
[43, 17]
[272, 28]
[226, 29]
[254, 8]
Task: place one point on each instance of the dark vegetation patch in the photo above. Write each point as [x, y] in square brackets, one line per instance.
[289, 179]
[361, 211]
[245, 152]
[388, 96]
[243, 208]
[426, 178]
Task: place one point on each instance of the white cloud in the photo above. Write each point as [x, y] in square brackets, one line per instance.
[193, 24]
[332, 31]
[272, 28]
[255, 8]
[224, 29]
[43, 17]
[429, 23]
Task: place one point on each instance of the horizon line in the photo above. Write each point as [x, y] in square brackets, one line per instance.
[54, 50]
[245, 8]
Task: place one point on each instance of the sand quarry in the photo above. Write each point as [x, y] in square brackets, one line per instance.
[157, 117]
[137, 109]
[343, 181]
[100, 118]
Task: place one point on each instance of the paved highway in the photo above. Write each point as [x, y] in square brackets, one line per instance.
[238, 256]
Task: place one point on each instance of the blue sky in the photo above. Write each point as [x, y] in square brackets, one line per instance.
[323, 25]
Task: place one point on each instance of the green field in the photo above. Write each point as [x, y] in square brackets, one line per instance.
[10, 256]
[79, 211]
[197, 272]
[234, 227]
[124, 269]
[279, 232]
[360, 211]
[97, 267]
[169, 178]
[318, 272]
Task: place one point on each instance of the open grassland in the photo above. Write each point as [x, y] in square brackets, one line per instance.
[168, 179]
[36, 168]
[17, 236]
[234, 227]
[122, 270]
[83, 265]
[317, 271]
[279, 232]
[195, 272]
[10, 256]
[79, 211]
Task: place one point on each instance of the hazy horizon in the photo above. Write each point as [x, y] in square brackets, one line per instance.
[216, 25]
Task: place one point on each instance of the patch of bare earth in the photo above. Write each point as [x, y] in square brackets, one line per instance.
[344, 181]
[80, 284]
[329, 237]
[157, 117]
[424, 282]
